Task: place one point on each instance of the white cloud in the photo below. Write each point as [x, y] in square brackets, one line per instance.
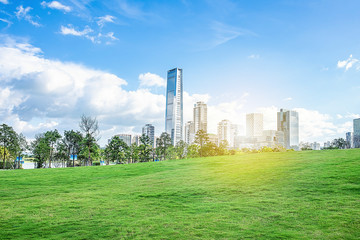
[287, 99]
[6, 21]
[4, 1]
[151, 79]
[349, 63]
[38, 93]
[254, 56]
[56, 5]
[23, 13]
[70, 30]
[105, 19]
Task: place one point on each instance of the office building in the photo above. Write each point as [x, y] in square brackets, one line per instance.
[200, 117]
[126, 138]
[254, 124]
[189, 132]
[356, 133]
[272, 138]
[349, 140]
[225, 132]
[174, 105]
[149, 130]
[288, 123]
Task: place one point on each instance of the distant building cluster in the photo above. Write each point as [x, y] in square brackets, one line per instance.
[286, 134]
[353, 138]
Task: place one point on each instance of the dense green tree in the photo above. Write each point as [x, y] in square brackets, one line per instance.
[62, 153]
[21, 146]
[201, 138]
[9, 142]
[145, 149]
[52, 138]
[193, 151]
[339, 143]
[134, 153]
[180, 149]
[90, 128]
[40, 149]
[73, 140]
[117, 150]
[162, 145]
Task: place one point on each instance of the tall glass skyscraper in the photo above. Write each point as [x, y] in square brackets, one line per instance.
[288, 122]
[174, 105]
[149, 130]
[356, 133]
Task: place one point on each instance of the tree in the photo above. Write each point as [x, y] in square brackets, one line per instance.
[145, 148]
[40, 149]
[90, 128]
[134, 153]
[73, 141]
[62, 152]
[163, 144]
[180, 149]
[193, 151]
[117, 150]
[21, 146]
[52, 137]
[201, 138]
[339, 143]
[8, 141]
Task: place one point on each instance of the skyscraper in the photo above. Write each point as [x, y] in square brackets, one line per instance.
[174, 105]
[254, 124]
[349, 140]
[356, 133]
[149, 130]
[225, 132]
[189, 132]
[288, 122]
[200, 117]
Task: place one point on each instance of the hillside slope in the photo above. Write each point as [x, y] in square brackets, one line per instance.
[302, 195]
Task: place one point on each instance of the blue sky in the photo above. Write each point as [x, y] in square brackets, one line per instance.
[59, 59]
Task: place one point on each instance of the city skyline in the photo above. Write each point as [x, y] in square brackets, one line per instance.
[109, 60]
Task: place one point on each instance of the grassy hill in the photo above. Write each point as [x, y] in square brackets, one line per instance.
[301, 195]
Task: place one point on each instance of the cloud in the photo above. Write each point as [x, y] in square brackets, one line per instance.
[37, 93]
[88, 33]
[224, 33]
[254, 56]
[349, 63]
[23, 13]
[151, 79]
[4, 1]
[287, 99]
[70, 30]
[6, 21]
[105, 19]
[129, 10]
[56, 5]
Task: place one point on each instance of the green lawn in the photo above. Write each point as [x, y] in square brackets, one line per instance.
[300, 195]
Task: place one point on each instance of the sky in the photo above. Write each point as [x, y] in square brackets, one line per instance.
[109, 60]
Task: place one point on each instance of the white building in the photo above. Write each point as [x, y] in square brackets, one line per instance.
[254, 124]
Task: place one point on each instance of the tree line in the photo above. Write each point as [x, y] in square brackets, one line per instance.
[81, 148]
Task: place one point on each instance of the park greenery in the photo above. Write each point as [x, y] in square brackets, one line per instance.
[51, 149]
[281, 195]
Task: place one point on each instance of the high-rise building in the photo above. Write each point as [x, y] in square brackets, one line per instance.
[200, 117]
[349, 140]
[189, 132]
[149, 130]
[254, 124]
[136, 139]
[356, 133]
[225, 132]
[126, 138]
[174, 105]
[288, 122]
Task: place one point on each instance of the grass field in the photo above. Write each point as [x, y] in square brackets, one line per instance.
[300, 195]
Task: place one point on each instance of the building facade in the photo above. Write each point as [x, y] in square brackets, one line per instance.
[200, 117]
[126, 138]
[356, 133]
[149, 130]
[349, 140]
[189, 132]
[254, 124]
[288, 123]
[225, 133]
[174, 105]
